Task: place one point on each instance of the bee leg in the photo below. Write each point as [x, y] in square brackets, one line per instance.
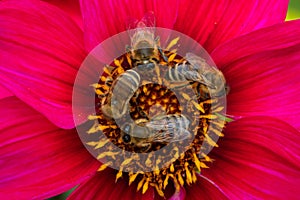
[142, 113]
[158, 74]
[145, 147]
[162, 54]
[160, 50]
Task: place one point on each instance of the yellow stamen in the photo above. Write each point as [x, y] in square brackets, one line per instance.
[101, 143]
[95, 85]
[218, 109]
[172, 168]
[180, 179]
[210, 141]
[206, 157]
[132, 177]
[194, 176]
[109, 154]
[171, 58]
[172, 43]
[186, 96]
[126, 161]
[203, 165]
[145, 187]
[159, 191]
[93, 117]
[198, 106]
[209, 116]
[217, 132]
[108, 69]
[119, 175]
[197, 162]
[188, 174]
[92, 143]
[104, 166]
[166, 180]
[140, 184]
[118, 63]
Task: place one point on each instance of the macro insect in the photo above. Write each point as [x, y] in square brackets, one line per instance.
[196, 69]
[145, 51]
[123, 88]
[161, 129]
[145, 54]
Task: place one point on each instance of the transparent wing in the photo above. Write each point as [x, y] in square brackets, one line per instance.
[147, 21]
[145, 28]
[169, 128]
[171, 135]
[198, 63]
[209, 75]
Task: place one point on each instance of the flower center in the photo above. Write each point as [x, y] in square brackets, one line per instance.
[150, 101]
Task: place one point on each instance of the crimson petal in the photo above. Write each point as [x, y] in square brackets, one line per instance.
[37, 159]
[102, 186]
[205, 189]
[214, 22]
[4, 92]
[263, 72]
[103, 19]
[71, 7]
[276, 37]
[259, 158]
[41, 51]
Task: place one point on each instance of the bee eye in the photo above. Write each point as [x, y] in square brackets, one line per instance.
[126, 138]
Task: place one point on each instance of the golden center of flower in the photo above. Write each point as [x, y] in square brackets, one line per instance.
[183, 117]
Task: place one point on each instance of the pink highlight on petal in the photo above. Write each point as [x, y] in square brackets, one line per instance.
[180, 195]
[4, 92]
[204, 188]
[39, 64]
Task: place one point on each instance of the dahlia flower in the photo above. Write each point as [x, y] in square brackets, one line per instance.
[43, 45]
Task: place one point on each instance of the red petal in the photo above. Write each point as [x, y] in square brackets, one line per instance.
[204, 189]
[41, 50]
[264, 73]
[4, 92]
[214, 22]
[103, 19]
[102, 186]
[38, 160]
[275, 37]
[258, 159]
[71, 7]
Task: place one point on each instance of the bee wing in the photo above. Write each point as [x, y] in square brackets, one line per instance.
[147, 21]
[169, 128]
[144, 28]
[156, 125]
[171, 135]
[208, 74]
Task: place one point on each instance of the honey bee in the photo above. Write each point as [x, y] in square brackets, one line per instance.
[145, 51]
[123, 88]
[161, 129]
[196, 69]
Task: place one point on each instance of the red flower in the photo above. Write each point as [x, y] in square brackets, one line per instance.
[42, 48]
